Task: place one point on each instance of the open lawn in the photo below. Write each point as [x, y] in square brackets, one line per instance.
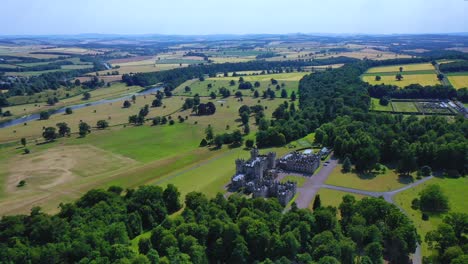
[290, 81]
[455, 189]
[422, 79]
[458, 81]
[333, 198]
[404, 106]
[375, 181]
[406, 67]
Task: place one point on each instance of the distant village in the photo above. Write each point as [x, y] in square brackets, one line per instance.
[258, 175]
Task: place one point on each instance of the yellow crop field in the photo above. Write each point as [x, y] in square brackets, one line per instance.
[406, 67]
[458, 81]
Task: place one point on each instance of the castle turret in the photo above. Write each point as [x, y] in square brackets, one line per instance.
[239, 166]
[271, 160]
[254, 153]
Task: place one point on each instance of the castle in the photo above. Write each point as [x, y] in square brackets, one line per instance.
[257, 175]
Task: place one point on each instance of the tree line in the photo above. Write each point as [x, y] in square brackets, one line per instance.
[98, 227]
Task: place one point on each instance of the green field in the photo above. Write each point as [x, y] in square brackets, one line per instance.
[455, 189]
[375, 105]
[404, 106]
[287, 81]
[333, 198]
[422, 79]
[126, 156]
[390, 180]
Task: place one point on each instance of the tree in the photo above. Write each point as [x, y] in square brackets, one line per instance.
[77, 82]
[171, 197]
[50, 101]
[257, 84]
[49, 134]
[378, 78]
[246, 128]
[44, 115]
[293, 96]
[23, 142]
[218, 141]
[86, 96]
[213, 95]
[347, 165]
[375, 252]
[256, 94]
[133, 98]
[187, 89]
[156, 103]
[401, 69]
[398, 77]
[126, 104]
[83, 129]
[249, 143]
[426, 171]
[440, 76]
[63, 129]
[101, 124]
[284, 94]
[209, 134]
[317, 202]
[68, 111]
[384, 101]
[432, 199]
[244, 118]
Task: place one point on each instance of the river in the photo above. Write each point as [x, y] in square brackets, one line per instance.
[33, 117]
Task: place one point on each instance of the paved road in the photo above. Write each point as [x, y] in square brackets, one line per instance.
[310, 188]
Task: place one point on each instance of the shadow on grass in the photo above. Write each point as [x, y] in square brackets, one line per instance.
[405, 179]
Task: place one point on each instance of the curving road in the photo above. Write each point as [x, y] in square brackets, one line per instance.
[316, 182]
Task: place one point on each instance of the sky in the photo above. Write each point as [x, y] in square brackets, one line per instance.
[202, 17]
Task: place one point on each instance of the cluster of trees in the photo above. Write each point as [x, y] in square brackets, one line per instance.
[410, 142]
[415, 91]
[98, 227]
[205, 109]
[139, 119]
[449, 240]
[456, 66]
[93, 83]
[44, 67]
[63, 130]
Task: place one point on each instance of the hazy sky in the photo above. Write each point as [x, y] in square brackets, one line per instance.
[232, 17]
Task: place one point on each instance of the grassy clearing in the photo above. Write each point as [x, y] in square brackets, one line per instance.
[375, 105]
[333, 198]
[43, 96]
[404, 106]
[455, 189]
[375, 181]
[422, 79]
[406, 67]
[458, 81]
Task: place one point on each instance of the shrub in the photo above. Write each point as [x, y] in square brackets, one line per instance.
[21, 183]
[27, 151]
[425, 217]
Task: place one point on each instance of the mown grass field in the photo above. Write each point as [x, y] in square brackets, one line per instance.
[455, 189]
[404, 106]
[333, 198]
[422, 79]
[290, 81]
[375, 181]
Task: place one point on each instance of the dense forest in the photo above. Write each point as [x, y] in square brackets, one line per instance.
[456, 66]
[98, 227]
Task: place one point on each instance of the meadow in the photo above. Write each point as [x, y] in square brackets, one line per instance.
[375, 105]
[455, 189]
[406, 68]
[60, 170]
[333, 198]
[404, 106]
[290, 81]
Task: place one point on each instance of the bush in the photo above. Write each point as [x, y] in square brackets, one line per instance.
[21, 183]
[171, 122]
[249, 143]
[203, 143]
[425, 217]
[415, 204]
[432, 199]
